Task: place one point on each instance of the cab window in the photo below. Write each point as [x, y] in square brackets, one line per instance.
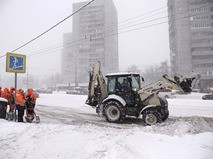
[111, 85]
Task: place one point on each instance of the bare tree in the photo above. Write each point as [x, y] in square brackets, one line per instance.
[155, 72]
[134, 69]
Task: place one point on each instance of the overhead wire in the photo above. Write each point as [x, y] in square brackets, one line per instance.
[66, 44]
[188, 16]
[143, 14]
[52, 27]
[110, 28]
[148, 25]
[62, 44]
[77, 41]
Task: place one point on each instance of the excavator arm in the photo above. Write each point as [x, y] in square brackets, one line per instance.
[183, 84]
[97, 85]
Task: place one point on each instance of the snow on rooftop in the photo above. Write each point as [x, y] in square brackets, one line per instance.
[121, 73]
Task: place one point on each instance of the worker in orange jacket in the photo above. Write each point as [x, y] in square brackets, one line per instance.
[30, 105]
[31, 97]
[1, 91]
[11, 99]
[20, 104]
[5, 94]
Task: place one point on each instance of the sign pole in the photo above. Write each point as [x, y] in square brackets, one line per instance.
[15, 94]
[15, 63]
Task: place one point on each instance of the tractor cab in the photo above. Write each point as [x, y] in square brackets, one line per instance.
[124, 85]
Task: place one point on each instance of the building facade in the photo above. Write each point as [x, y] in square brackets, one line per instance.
[94, 37]
[191, 37]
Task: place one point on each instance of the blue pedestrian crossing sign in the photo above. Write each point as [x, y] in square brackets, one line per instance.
[15, 63]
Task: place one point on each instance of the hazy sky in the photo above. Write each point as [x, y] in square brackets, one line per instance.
[22, 20]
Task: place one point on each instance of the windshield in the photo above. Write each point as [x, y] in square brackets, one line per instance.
[136, 81]
[115, 83]
[111, 85]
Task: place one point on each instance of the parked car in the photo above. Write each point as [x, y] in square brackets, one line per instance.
[208, 97]
[71, 91]
[44, 90]
[77, 90]
[166, 93]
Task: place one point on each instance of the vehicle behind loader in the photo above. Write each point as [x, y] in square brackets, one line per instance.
[123, 96]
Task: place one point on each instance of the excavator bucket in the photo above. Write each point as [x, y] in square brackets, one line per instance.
[185, 83]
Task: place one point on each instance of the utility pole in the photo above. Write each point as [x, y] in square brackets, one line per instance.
[76, 80]
[76, 71]
[27, 80]
[52, 83]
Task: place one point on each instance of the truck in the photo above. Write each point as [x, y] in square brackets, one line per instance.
[121, 95]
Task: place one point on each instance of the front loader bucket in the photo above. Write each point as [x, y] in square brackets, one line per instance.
[91, 101]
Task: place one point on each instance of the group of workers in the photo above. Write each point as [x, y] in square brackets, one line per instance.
[19, 100]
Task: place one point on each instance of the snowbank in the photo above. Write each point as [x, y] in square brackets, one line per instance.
[71, 129]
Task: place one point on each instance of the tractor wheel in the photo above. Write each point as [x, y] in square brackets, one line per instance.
[164, 115]
[150, 116]
[113, 111]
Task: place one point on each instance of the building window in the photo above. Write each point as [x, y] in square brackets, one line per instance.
[203, 17]
[199, 10]
[203, 65]
[202, 41]
[209, 33]
[202, 49]
[201, 25]
[202, 57]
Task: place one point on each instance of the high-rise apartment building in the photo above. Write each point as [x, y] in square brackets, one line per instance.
[94, 37]
[191, 37]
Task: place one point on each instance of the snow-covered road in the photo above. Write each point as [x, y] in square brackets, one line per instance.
[71, 129]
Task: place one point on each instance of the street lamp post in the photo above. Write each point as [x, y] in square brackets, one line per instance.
[76, 79]
[76, 83]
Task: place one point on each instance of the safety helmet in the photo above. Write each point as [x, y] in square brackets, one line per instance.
[6, 89]
[30, 90]
[12, 88]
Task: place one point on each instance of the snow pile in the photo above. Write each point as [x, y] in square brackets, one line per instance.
[58, 141]
[198, 125]
[71, 129]
[183, 125]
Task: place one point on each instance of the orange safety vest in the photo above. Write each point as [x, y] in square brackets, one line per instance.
[20, 99]
[5, 93]
[31, 95]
